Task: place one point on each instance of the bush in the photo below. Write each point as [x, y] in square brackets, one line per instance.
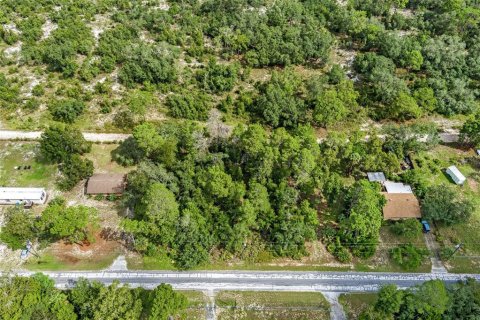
[188, 106]
[31, 104]
[217, 78]
[147, 63]
[66, 110]
[74, 170]
[38, 90]
[408, 256]
[409, 228]
[124, 120]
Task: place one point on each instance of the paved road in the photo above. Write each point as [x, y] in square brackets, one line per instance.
[256, 280]
[35, 135]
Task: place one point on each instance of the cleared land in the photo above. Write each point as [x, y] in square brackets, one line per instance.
[354, 303]
[271, 305]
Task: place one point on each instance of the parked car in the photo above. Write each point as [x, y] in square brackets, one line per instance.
[426, 226]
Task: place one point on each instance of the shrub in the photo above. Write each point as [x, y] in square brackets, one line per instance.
[31, 104]
[409, 228]
[74, 170]
[188, 106]
[408, 256]
[217, 78]
[124, 120]
[38, 90]
[66, 110]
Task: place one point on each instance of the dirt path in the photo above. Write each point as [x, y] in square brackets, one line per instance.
[433, 247]
[35, 135]
[336, 309]
[211, 313]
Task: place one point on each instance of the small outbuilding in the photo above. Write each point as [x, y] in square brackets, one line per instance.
[401, 206]
[376, 177]
[105, 184]
[456, 175]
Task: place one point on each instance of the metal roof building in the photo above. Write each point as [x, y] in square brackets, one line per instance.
[376, 177]
[110, 183]
[397, 187]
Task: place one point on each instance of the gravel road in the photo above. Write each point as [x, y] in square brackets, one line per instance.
[35, 135]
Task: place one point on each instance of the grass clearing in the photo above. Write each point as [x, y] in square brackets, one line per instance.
[196, 306]
[101, 157]
[354, 303]
[51, 262]
[14, 154]
[159, 261]
[271, 305]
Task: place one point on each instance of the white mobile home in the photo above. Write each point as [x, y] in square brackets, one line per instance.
[23, 195]
[456, 175]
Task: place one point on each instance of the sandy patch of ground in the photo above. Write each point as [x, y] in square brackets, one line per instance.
[75, 253]
[47, 28]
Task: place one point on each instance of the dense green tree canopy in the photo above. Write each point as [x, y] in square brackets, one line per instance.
[59, 142]
[36, 297]
[18, 228]
[443, 204]
[72, 224]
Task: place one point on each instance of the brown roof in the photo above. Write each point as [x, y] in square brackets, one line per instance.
[110, 183]
[401, 206]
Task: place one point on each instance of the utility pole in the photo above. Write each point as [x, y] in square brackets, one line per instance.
[457, 247]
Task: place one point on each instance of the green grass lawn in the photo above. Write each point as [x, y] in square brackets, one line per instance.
[102, 159]
[271, 305]
[14, 154]
[354, 303]
[158, 261]
[50, 262]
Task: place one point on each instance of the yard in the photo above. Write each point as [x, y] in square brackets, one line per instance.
[20, 166]
[61, 256]
[432, 163]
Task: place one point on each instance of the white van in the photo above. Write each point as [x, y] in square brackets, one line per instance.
[23, 195]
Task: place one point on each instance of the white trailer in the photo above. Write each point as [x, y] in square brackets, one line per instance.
[23, 195]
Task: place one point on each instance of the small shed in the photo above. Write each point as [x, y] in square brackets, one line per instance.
[397, 187]
[401, 206]
[109, 183]
[456, 175]
[376, 177]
